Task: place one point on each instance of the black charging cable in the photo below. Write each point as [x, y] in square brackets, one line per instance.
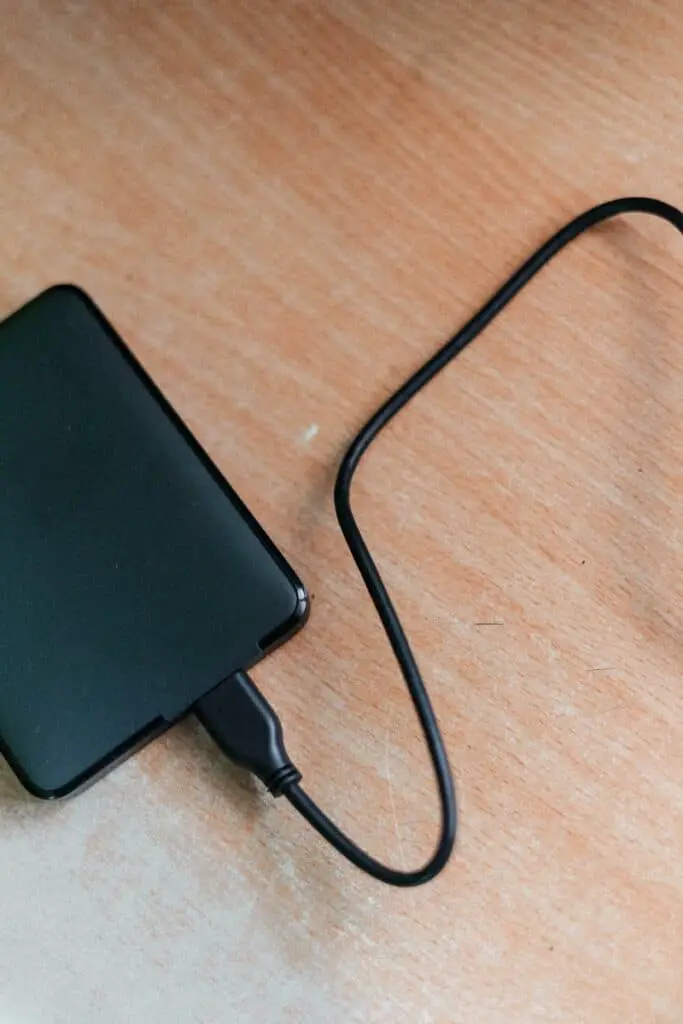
[238, 716]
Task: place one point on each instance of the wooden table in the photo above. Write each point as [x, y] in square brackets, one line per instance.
[284, 208]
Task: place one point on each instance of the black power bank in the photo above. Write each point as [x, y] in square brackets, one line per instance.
[133, 580]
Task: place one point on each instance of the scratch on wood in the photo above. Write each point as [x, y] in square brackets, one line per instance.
[608, 711]
[390, 783]
[392, 804]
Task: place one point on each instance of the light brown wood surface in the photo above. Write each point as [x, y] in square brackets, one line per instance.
[284, 207]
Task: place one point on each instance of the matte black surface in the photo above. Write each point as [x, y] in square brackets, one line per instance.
[132, 579]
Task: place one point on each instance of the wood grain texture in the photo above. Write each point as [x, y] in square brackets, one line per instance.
[284, 207]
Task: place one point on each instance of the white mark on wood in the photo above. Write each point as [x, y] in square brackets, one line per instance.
[309, 433]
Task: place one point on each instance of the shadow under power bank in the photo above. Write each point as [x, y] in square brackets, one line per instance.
[133, 580]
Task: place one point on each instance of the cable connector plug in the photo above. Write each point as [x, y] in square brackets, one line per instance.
[246, 728]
